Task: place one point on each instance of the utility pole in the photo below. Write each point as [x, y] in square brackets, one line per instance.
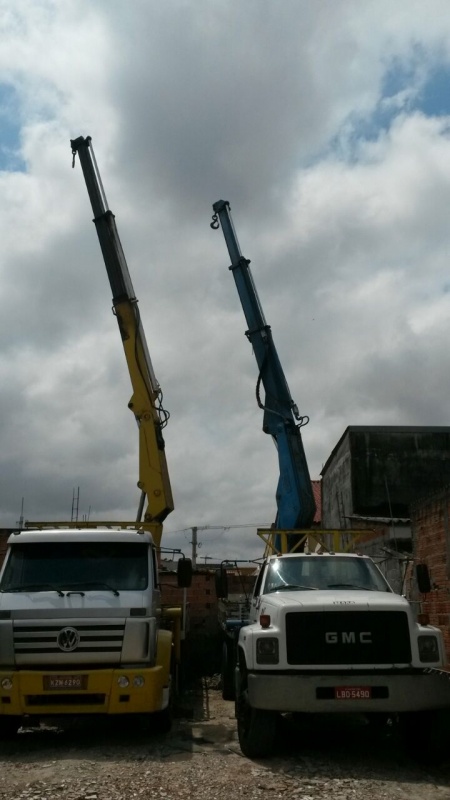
[75, 505]
[194, 547]
[20, 521]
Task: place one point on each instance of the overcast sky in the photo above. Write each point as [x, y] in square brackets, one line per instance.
[326, 125]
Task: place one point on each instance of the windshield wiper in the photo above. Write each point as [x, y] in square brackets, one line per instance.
[92, 585]
[291, 586]
[34, 587]
[350, 586]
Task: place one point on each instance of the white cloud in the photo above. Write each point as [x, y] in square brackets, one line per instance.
[265, 105]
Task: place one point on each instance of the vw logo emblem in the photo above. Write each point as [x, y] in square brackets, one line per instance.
[68, 639]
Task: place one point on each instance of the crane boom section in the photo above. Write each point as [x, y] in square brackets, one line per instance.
[146, 401]
[294, 495]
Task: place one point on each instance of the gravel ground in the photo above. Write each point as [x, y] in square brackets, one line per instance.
[200, 758]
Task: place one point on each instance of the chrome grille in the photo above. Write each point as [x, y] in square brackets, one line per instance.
[40, 641]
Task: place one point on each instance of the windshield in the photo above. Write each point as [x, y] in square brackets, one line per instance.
[324, 572]
[57, 566]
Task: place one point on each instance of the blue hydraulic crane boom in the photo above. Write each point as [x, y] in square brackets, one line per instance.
[294, 495]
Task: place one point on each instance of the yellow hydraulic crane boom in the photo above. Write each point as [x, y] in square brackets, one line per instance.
[146, 401]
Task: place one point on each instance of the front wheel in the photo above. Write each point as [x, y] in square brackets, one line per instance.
[9, 727]
[425, 734]
[153, 723]
[227, 671]
[257, 729]
[163, 720]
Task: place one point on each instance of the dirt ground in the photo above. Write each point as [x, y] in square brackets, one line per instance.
[201, 758]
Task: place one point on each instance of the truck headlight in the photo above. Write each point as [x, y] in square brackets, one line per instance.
[7, 684]
[123, 681]
[267, 650]
[428, 648]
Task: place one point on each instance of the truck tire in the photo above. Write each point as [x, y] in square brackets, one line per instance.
[227, 671]
[257, 729]
[163, 720]
[425, 735]
[9, 727]
[379, 723]
[153, 723]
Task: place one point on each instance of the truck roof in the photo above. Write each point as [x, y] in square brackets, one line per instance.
[80, 535]
[319, 555]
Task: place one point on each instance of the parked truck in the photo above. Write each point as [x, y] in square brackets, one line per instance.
[80, 627]
[83, 630]
[325, 632]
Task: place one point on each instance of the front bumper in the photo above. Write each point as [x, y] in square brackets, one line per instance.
[101, 693]
[391, 692]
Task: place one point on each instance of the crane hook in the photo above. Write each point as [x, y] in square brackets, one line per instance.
[215, 224]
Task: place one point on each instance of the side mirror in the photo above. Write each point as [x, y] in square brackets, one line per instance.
[184, 573]
[423, 578]
[221, 583]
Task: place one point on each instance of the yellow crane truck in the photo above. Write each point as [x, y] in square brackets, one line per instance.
[81, 628]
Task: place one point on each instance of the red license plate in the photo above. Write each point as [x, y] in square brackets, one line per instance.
[352, 692]
[65, 682]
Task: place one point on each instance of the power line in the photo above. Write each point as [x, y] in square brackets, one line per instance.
[223, 527]
[196, 544]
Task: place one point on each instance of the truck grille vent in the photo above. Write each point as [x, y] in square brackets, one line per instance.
[347, 637]
[65, 700]
[43, 639]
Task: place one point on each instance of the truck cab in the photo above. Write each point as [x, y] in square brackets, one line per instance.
[80, 626]
[327, 634]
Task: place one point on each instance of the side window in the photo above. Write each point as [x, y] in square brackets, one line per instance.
[154, 568]
[257, 589]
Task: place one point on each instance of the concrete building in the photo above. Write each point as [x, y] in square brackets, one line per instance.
[377, 471]
[372, 477]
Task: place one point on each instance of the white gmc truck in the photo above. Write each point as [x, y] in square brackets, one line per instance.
[327, 634]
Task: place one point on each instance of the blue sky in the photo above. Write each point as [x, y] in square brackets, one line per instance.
[434, 98]
[10, 125]
[407, 87]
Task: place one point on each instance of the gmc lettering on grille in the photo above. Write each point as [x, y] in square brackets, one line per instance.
[348, 637]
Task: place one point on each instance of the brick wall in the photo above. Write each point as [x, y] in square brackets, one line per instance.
[431, 537]
[203, 646]
[3, 539]
[201, 596]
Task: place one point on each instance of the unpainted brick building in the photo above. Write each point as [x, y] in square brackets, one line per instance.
[431, 546]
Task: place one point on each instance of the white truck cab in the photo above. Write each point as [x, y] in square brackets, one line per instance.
[328, 634]
[80, 626]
